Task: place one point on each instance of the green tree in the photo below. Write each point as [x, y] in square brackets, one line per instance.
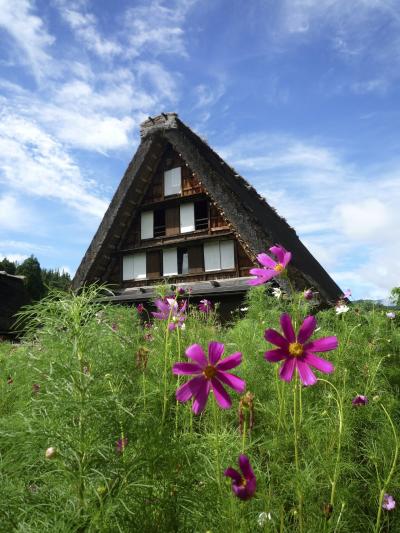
[54, 279]
[395, 296]
[8, 266]
[30, 268]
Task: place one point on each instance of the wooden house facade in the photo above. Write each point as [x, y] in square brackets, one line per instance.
[183, 214]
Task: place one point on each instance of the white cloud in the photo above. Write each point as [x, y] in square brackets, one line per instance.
[363, 33]
[156, 28]
[33, 162]
[28, 31]
[13, 215]
[15, 258]
[84, 26]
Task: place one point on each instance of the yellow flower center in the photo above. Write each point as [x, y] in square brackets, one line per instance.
[243, 482]
[278, 267]
[209, 372]
[296, 349]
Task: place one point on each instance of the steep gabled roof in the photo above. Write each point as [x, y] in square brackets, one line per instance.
[255, 223]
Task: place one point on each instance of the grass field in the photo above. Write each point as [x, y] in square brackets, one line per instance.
[93, 386]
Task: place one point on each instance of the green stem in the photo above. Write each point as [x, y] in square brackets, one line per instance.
[217, 451]
[178, 332]
[389, 477]
[244, 434]
[339, 404]
[296, 414]
[164, 411]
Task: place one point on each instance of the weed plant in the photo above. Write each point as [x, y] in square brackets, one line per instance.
[88, 384]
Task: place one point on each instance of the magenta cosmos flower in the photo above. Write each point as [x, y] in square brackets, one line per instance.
[271, 268]
[169, 309]
[243, 484]
[297, 351]
[210, 375]
[140, 308]
[359, 400]
[205, 306]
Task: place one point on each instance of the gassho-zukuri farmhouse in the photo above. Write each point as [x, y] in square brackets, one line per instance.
[182, 214]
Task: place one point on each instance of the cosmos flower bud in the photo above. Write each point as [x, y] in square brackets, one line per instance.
[50, 453]
[308, 294]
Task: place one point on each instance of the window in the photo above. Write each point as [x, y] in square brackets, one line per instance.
[170, 262]
[183, 261]
[172, 181]
[201, 214]
[219, 255]
[147, 225]
[159, 223]
[134, 266]
[187, 217]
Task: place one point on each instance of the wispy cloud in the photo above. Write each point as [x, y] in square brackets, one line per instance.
[157, 28]
[27, 29]
[84, 26]
[33, 162]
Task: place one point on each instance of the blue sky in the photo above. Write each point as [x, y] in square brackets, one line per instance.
[300, 96]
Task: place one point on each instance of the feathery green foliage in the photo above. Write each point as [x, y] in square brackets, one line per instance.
[86, 378]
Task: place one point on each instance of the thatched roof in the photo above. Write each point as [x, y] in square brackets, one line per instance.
[13, 295]
[256, 224]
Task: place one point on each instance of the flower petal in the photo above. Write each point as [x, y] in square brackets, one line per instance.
[273, 356]
[245, 466]
[160, 316]
[322, 345]
[279, 252]
[222, 397]
[240, 491]
[231, 380]
[307, 329]
[306, 374]
[320, 364]
[196, 353]
[232, 361]
[201, 396]
[234, 474]
[181, 369]
[287, 327]
[189, 389]
[264, 273]
[286, 371]
[287, 256]
[272, 336]
[266, 260]
[215, 350]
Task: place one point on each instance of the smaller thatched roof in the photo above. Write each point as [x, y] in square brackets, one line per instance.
[13, 296]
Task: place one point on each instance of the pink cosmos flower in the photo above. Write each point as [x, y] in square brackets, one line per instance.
[169, 309]
[271, 267]
[347, 293]
[205, 306]
[360, 400]
[209, 374]
[389, 503]
[297, 351]
[243, 484]
[140, 308]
